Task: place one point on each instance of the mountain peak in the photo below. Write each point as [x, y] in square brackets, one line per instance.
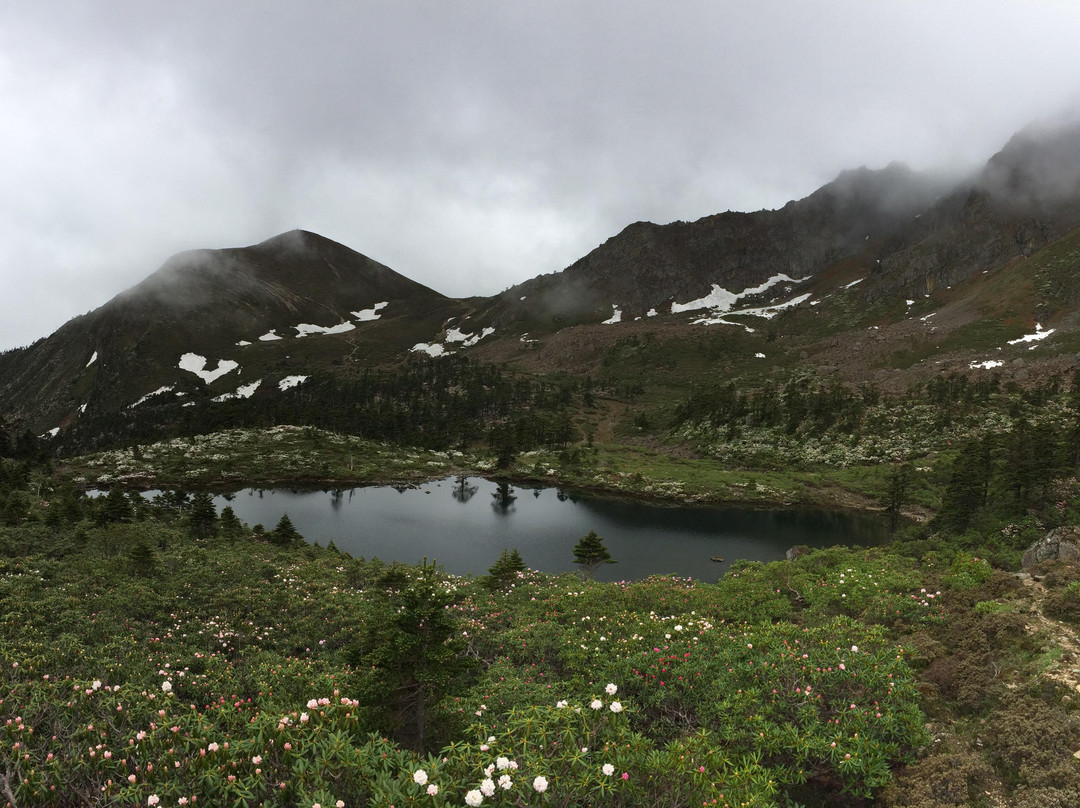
[1038, 168]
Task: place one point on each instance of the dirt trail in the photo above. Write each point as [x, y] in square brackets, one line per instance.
[1065, 669]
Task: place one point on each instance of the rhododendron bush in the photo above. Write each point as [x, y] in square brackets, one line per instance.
[234, 672]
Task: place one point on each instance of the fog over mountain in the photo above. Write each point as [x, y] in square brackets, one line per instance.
[472, 148]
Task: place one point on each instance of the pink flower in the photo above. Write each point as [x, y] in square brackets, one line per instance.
[626, 775]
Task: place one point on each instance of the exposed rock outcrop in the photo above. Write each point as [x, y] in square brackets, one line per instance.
[1060, 544]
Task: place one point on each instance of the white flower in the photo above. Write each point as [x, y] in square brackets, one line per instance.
[502, 763]
[615, 707]
[432, 790]
[608, 769]
[474, 798]
[596, 704]
[610, 689]
[540, 784]
[166, 687]
[505, 782]
[854, 649]
[420, 777]
[487, 787]
[97, 684]
[561, 704]
[312, 704]
[153, 799]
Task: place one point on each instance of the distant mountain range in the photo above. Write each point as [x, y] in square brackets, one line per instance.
[887, 275]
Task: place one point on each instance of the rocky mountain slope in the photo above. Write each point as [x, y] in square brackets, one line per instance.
[888, 275]
[213, 323]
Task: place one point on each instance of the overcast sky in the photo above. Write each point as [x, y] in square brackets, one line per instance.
[472, 145]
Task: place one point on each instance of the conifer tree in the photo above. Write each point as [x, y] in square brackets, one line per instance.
[590, 552]
[898, 481]
[202, 516]
[505, 568]
[231, 527]
[284, 533]
[413, 657]
[114, 508]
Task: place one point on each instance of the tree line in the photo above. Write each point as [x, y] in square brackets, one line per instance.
[440, 404]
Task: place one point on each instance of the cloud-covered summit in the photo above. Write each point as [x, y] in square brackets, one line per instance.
[471, 147]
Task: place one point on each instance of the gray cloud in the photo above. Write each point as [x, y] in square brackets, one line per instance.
[471, 146]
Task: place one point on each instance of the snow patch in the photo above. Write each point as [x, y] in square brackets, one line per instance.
[759, 355]
[910, 302]
[616, 316]
[366, 315]
[243, 391]
[242, 343]
[165, 389]
[987, 365]
[767, 312]
[849, 285]
[291, 381]
[431, 350]
[650, 313]
[722, 300]
[193, 363]
[52, 433]
[466, 338]
[93, 359]
[304, 329]
[1038, 335]
[82, 409]
[269, 336]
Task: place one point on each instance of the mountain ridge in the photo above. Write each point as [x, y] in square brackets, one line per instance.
[856, 253]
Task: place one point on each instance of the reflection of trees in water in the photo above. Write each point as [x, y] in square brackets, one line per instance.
[536, 493]
[462, 490]
[336, 497]
[503, 498]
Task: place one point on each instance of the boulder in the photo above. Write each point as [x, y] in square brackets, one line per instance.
[1060, 544]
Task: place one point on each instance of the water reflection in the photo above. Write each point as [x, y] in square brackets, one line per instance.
[503, 497]
[466, 536]
[463, 489]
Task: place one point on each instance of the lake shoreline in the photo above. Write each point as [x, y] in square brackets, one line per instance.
[837, 499]
[303, 457]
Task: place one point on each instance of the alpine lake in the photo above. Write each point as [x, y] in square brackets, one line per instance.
[464, 523]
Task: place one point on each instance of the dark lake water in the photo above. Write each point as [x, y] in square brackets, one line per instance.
[464, 523]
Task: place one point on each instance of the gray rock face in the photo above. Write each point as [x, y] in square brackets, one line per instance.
[1060, 544]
